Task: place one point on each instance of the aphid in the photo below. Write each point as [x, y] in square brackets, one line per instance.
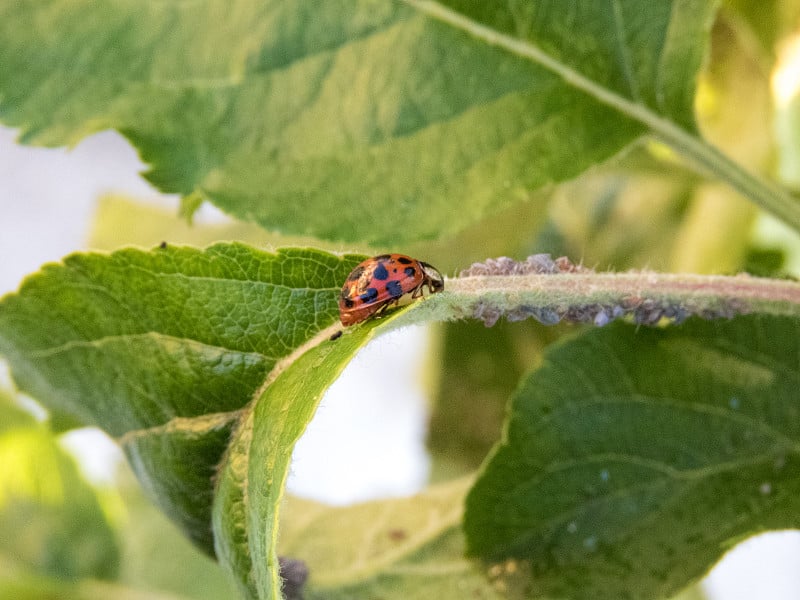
[380, 281]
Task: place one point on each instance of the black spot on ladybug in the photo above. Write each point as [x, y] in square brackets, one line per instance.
[369, 295]
[394, 289]
[336, 335]
[404, 260]
[410, 271]
[346, 300]
[355, 273]
[380, 273]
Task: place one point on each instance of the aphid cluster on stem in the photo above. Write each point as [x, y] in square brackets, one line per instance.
[541, 264]
[637, 309]
[380, 282]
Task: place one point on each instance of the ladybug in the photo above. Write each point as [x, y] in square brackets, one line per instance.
[380, 281]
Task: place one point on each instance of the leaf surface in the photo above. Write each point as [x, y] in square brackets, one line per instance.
[164, 349]
[668, 444]
[252, 474]
[51, 520]
[359, 120]
[410, 548]
[207, 365]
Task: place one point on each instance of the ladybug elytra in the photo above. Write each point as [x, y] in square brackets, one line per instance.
[380, 281]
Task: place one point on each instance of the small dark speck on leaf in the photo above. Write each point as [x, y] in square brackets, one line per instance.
[336, 335]
[397, 535]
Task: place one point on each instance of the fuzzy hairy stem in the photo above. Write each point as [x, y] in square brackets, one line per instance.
[601, 297]
[552, 291]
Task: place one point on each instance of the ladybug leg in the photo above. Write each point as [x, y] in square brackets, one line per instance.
[384, 308]
[417, 291]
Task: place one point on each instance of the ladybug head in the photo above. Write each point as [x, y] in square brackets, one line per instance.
[433, 278]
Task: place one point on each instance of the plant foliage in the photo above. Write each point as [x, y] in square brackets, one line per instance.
[432, 125]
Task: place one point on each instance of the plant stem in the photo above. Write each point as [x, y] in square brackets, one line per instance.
[643, 297]
[702, 155]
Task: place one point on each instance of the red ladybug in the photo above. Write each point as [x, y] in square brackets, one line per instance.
[380, 281]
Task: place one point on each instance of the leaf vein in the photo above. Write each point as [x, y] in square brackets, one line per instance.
[254, 282]
[98, 343]
[624, 52]
[663, 402]
[196, 425]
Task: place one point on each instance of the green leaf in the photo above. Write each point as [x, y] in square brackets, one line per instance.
[151, 547]
[358, 119]
[164, 349]
[670, 444]
[410, 548]
[189, 206]
[252, 475]
[30, 586]
[51, 522]
[480, 368]
[177, 463]
[14, 417]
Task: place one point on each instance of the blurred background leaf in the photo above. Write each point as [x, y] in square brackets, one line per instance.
[121, 220]
[413, 550]
[156, 557]
[51, 520]
[60, 536]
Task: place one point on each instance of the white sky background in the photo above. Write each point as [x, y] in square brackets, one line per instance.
[359, 445]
